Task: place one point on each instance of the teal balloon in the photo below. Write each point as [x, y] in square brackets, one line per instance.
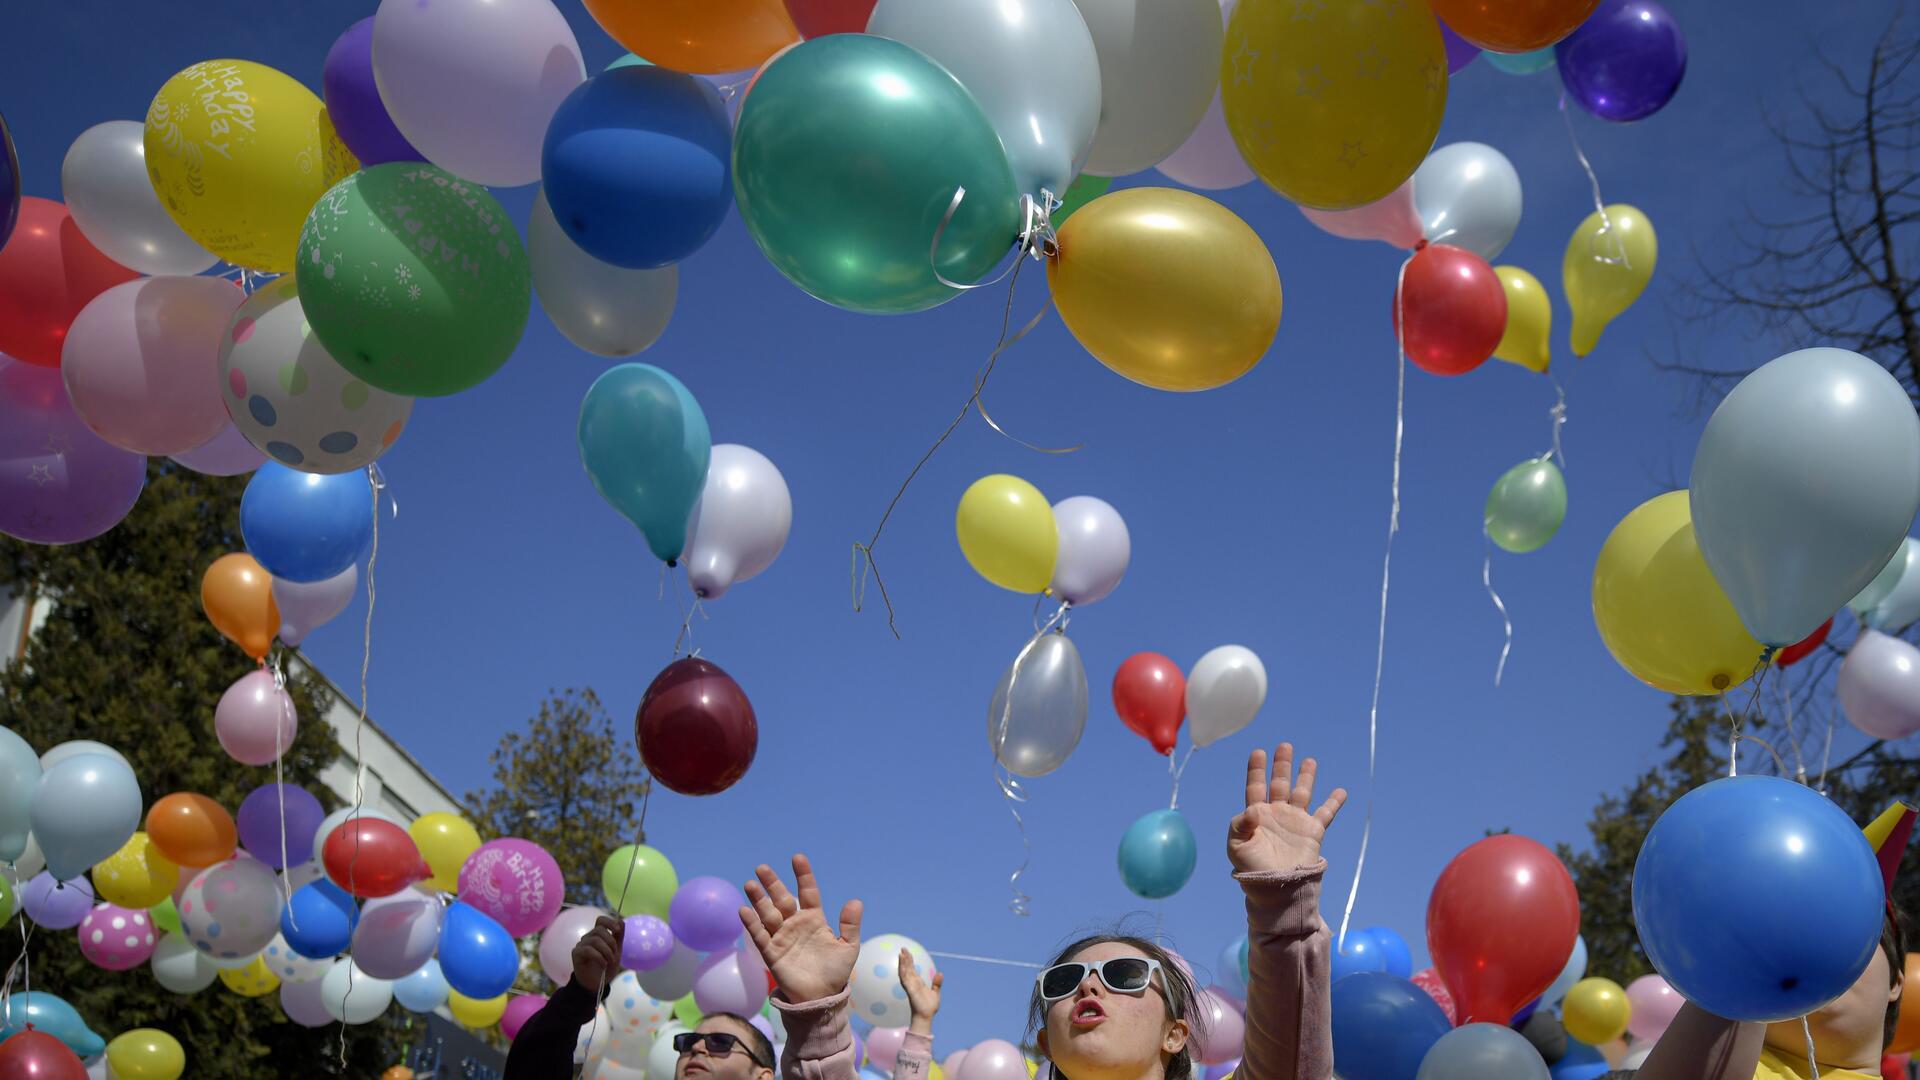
[1157, 854]
[1526, 506]
[845, 159]
[1526, 63]
[19, 776]
[646, 447]
[52, 1015]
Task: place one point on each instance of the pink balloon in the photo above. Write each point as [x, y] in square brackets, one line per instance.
[559, 938]
[255, 720]
[59, 482]
[1880, 686]
[1223, 1029]
[142, 362]
[226, 454]
[1392, 220]
[303, 1003]
[116, 938]
[1209, 159]
[515, 883]
[520, 1009]
[883, 1046]
[1654, 1003]
[951, 1066]
[1429, 980]
[993, 1060]
[733, 981]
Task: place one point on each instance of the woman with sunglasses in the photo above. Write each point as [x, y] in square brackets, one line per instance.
[1111, 1007]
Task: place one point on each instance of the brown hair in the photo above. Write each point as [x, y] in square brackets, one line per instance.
[1893, 942]
[1180, 994]
[759, 1047]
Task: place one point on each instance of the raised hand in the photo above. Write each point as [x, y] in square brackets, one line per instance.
[1276, 831]
[597, 954]
[807, 958]
[924, 999]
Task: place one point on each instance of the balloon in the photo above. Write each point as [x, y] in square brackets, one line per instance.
[1500, 923]
[818, 18]
[1906, 1030]
[56, 905]
[877, 994]
[1094, 550]
[1525, 341]
[1150, 696]
[1879, 686]
[83, 809]
[1596, 1011]
[1803, 648]
[847, 157]
[1482, 1051]
[305, 1004]
[472, 84]
[705, 915]
[1460, 52]
[1224, 692]
[52, 1016]
[76, 747]
[1208, 160]
[695, 728]
[35, 1055]
[1140, 271]
[1512, 27]
[353, 100]
[673, 979]
[732, 980]
[1894, 606]
[423, 991]
[319, 920]
[559, 938]
[1653, 1004]
[237, 596]
[1159, 68]
[662, 1057]
[1726, 946]
[1573, 972]
[291, 967]
[166, 916]
[306, 606]
[191, 830]
[1157, 854]
[1625, 63]
[352, 996]
[226, 454]
[709, 36]
[48, 272]
[139, 362]
[59, 482]
[740, 522]
[1882, 585]
[1660, 611]
[397, 935]
[1468, 196]
[104, 181]
[255, 720]
[1428, 980]
[1526, 63]
[883, 1047]
[1031, 66]
[638, 880]
[1806, 481]
[1393, 948]
[993, 1060]
[1526, 506]
[647, 943]
[369, 857]
[232, 909]
[179, 967]
[412, 278]
[1383, 1026]
[137, 876]
[604, 309]
[646, 447]
[333, 821]
[445, 841]
[19, 775]
[291, 399]
[519, 1009]
[252, 979]
[305, 527]
[1450, 310]
[1008, 533]
[1608, 262]
[1222, 1029]
[514, 882]
[9, 183]
[1392, 219]
[1039, 708]
[634, 1017]
[1359, 954]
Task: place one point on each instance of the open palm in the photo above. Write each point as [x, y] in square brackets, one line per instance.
[808, 959]
[1277, 831]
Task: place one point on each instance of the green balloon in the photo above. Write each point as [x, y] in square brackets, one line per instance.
[1082, 191]
[6, 899]
[1526, 506]
[414, 279]
[165, 916]
[686, 1011]
[649, 890]
[846, 157]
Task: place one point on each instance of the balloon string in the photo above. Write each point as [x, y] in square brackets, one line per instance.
[1793, 740]
[1028, 964]
[687, 612]
[1009, 785]
[22, 966]
[1599, 204]
[1559, 415]
[1759, 676]
[1486, 578]
[376, 481]
[1826, 755]
[1812, 1065]
[1174, 802]
[280, 788]
[639, 837]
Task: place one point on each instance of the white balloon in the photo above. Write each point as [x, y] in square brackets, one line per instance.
[559, 938]
[662, 1057]
[305, 606]
[740, 523]
[65, 750]
[1159, 68]
[635, 1017]
[605, 309]
[878, 997]
[105, 185]
[30, 861]
[397, 934]
[1224, 692]
[231, 910]
[612, 1069]
[672, 980]
[179, 967]
[1468, 196]
[360, 1003]
[1210, 160]
[599, 1031]
[290, 966]
[1899, 607]
[1094, 549]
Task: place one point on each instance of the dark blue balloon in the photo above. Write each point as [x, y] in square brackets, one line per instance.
[638, 165]
[1157, 854]
[1525, 1013]
[304, 526]
[9, 183]
[318, 921]
[476, 955]
[1394, 947]
[1757, 898]
[1360, 953]
[1582, 1062]
[1383, 1026]
[1625, 62]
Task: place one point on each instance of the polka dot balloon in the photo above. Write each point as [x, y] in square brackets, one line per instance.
[231, 910]
[635, 1017]
[291, 399]
[878, 997]
[290, 966]
[116, 938]
[254, 980]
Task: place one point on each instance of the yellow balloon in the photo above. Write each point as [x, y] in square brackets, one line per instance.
[935, 1072]
[1033, 1068]
[1333, 102]
[1529, 320]
[254, 980]
[1659, 609]
[137, 876]
[1166, 287]
[1007, 533]
[1595, 1011]
[146, 1054]
[445, 841]
[476, 1012]
[1606, 268]
[238, 153]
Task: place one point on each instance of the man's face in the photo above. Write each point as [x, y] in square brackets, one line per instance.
[703, 1062]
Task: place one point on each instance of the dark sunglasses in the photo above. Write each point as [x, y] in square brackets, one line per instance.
[719, 1044]
[1122, 975]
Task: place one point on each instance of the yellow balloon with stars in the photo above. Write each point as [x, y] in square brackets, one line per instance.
[137, 876]
[1334, 103]
[254, 980]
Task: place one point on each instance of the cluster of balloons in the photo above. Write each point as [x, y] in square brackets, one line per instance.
[42, 1036]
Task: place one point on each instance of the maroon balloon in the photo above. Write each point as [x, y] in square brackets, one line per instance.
[696, 728]
[59, 482]
[36, 1055]
[1454, 310]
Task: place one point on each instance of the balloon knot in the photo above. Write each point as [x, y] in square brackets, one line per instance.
[1421, 246]
[671, 563]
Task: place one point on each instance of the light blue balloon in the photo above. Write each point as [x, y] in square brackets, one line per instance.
[19, 775]
[84, 808]
[1394, 949]
[1526, 63]
[1575, 970]
[423, 991]
[1483, 1052]
[477, 957]
[646, 447]
[52, 1016]
[1359, 954]
[1231, 973]
[1157, 854]
[1899, 607]
[306, 527]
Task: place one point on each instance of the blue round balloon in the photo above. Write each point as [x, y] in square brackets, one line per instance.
[1625, 62]
[638, 165]
[423, 991]
[318, 920]
[646, 447]
[1582, 1062]
[1757, 898]
[1394, 949]
[1360, 953]
[303, 526]
[1526, 1013]
[477, 957]
[1157, 854]
[50, 1015]
[1383, 1026]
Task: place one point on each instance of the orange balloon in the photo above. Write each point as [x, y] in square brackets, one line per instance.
[191, 829]
[238, 596]
[398, 1072]
[1906, 1031]
[704, 37]
[1513, 26]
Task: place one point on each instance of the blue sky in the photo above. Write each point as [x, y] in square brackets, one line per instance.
[1257, 512]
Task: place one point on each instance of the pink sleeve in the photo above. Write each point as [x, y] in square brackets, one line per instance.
[1289, 1014]
[819, 1043]
[915, 1060]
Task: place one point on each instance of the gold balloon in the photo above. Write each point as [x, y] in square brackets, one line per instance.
[1333, 102]
[1596, 1011]
[146, 1054]
[476, 1012]
[237, 594]
[1166, 287]
[1659, 609]
[1529, 320]
[445, 840]
[137, 876]
[254, 980]
[1608, 263]
[1008, 534]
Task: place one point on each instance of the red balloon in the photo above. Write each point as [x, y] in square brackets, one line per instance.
[1454, 310]
[1150, 694]
[696, 728]
[818, 18]
[369, 857]
[35, 1055]
[1429, 980]
[48, 272]
[1500, 925]
[1801, 649]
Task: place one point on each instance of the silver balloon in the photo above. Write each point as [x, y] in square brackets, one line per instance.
[606, 310]
[1897, 607]
[1094, 549]
[1468, 195]
[104, 181]
[1049, 708]
[1159, 68]
[1879, 686]
[740, 523]
[1483, 1052]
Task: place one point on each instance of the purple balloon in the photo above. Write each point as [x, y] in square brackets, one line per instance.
[303, 1003]
[56, 905]
[259, 824]
[647, 944]
[305, 606]
[1460, 51]
[1625, 62]
[227, 454]
[705, 913]
[59, 482]
[353, 101]
[1226, 1068]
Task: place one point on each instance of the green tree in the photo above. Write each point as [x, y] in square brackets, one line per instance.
[127, 657]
